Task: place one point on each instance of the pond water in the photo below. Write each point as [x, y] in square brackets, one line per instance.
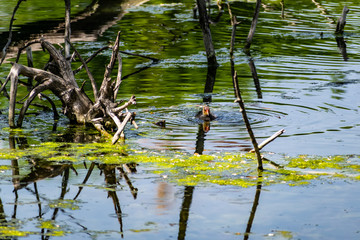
[308, 84]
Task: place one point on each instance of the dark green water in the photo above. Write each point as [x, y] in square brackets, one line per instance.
[306, 86]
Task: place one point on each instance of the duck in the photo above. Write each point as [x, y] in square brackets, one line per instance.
[161, 123]
[205, 114]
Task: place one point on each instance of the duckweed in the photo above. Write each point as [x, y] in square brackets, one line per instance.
[12, 232]
[184, 169]
[64, 204]
[48, 225]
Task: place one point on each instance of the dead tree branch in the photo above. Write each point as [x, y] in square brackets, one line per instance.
[77, 106]
[118, 78]
[107, 86]
[4, 50]
[234, 23]
[341, 21]
[253, 26]
[269, 140]
[91, 58]
[246, 120]
[204, 24]
[92, 79]
[67, 28]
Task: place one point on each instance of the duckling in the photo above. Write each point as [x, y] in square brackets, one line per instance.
[205, 114]
[161, 123]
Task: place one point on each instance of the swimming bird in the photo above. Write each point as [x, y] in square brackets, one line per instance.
[205, 114]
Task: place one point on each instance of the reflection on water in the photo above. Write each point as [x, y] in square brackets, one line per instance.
[300, 77]
[96, 201]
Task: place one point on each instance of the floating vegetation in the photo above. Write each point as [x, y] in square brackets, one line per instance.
[64, 204]
[184, 169]
[12, 232]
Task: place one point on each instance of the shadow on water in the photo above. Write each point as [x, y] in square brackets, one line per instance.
[85, 25]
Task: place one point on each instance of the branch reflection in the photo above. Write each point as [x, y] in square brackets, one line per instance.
[184, 212]
[254, 206]
[32, 170]
[342, 47]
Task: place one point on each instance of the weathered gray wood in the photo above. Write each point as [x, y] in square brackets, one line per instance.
[75, 102]
[121, 128]
[92, 79]
[342, 21]
[269, 140]
[118, 78]
[13, 76]
[107, 85]
[67, 39]
[30, 63]
[77, 106]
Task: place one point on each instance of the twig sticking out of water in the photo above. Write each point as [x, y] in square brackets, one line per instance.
[246, 120]
[67, 28]
[204, 24]
[4, 50]
[91, 77]
[234, 22]
[341, 21]
[155, 60]
[253, 26]
[269, 140]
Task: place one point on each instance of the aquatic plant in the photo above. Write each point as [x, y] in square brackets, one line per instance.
[184, 169]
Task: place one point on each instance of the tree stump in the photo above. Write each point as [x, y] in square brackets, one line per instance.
[77, 106]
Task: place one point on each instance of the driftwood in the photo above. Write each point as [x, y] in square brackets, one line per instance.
[77, 106]
[341, 21]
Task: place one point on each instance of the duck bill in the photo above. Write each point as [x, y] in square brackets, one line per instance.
[206, 111]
